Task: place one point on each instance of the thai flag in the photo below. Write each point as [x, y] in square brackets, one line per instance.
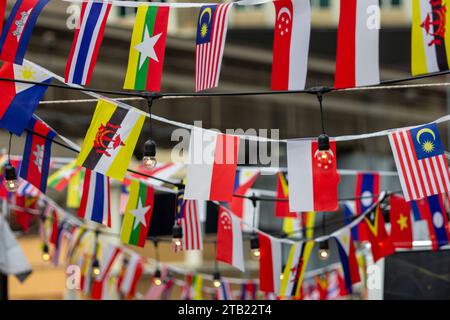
[224, 291]
[95, 201]
[19, 100]
[87, 41]
[36, 155]
[18, 28]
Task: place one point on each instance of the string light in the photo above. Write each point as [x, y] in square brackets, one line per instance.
[324, 251]
[149, 157]
[216, 281]
[177, 235]
[45, 252]
[95, 263]
[254, 247]
[11, 183]
[157, 277]
[324, 155]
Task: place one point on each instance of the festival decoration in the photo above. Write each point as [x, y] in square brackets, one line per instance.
[291, 44]
[134, 271]
[429, 39]
[111, 139]
[60, 178]
[138, 214]
[347, 255]
[229, 247]
[148, 43]
[381, 243]
[421, 163]
[211, 34]
[95, 201]
[100, 286]
[2, 13]
[282, 191]
[269, 264]
[248, 290]
[290, 271]
[86, 42]
[312, 182]
[224, 291]
[366, 189]
[244, 181]
[20, 99]
[215, 167]
[190, 224]
[75, 188]
[401, 222]
[357, 60]
[18, 29]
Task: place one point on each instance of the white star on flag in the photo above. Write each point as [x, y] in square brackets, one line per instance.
[147, 48]
[39, 155]
[139, 215]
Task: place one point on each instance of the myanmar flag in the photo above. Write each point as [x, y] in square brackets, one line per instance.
[138, 213]
[111, 139]
[148, 44]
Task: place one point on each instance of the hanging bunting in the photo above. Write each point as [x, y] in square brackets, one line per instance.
[291, 44]
[381, 243]
[357, 60]
[229, 239]
[75, 188]
[190, 224]
[269, 263]
[134, 271]
[100, 285]
[347, 254]
[312, 186]
[224, 291]
[303, 264]
[244, 181]
[19, 100]
[138, 214]
[60, 178]
[213, 161]
[95, 202]
[248, 290]
[282, 190]
[36, 155]
[148, 44]
[421, 162]
[287, 288]
[87, 41]
[401, 222]
[18, 29]
[212, 28]
[2, 13]
[111, 139]
[366, 190]
[429, 39]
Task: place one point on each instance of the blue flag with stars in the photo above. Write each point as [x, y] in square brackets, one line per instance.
[204, 27]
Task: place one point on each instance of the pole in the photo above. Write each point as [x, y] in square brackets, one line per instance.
[3, 287]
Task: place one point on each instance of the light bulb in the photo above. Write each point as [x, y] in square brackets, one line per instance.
[177, 235]
[281, 277]
[254, 247]
[324, 251]
[157, 277]
[45, 253]
[11, 183]
[256, 253]
[216, 281]
[96, 267]
[324, 156]
[149, 162]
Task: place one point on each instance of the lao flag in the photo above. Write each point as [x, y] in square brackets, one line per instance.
[270, 267]
[212, 168]
[357, 60]
[366, 190]
[36, 155]
[18, 28]
[347, 255]
[312, 186]
[229, 239]
[291, 44]
[401, 224]
[19, 100]
[243, 182]
[433, 211]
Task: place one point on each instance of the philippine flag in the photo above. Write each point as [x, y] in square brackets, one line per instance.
[229, 239]
[347, 255]
[18, 28]
[357, 60]
[291, 44]
[312, 186]
[269, 264]
[19, 100]
[243, 182]
[212, 168]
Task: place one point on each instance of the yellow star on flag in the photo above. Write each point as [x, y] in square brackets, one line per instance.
[403, 222]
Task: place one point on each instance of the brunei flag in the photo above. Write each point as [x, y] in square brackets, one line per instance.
[148, 44]
[430, 40]
[111, 139]
[138, 214]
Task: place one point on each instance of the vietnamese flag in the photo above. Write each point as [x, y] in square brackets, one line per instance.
[401, 224]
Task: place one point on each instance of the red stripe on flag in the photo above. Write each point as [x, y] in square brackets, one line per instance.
[265, 264]
[74, 43]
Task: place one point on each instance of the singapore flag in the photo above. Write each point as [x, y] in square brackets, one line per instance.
[291, 44]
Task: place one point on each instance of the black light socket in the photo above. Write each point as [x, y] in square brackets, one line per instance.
[324, 142]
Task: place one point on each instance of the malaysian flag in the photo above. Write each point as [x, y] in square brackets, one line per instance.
[190, 224]
[211, 34]
[420, 160]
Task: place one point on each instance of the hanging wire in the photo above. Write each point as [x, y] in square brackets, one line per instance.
[9, 147]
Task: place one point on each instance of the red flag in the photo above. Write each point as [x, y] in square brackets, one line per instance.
[53, 239]
[110, 255]
[2, 13]
[282, 207]
[380, 241]
[269, 264]
[243, 182]
[401, 224]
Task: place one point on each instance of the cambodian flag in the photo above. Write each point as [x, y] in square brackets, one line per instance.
[18, 28]
[19, 100]
[36, 155]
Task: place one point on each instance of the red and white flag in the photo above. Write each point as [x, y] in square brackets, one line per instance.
[269, 264]
[134, 271]
[229, 239]
[191, 226]
[100, 287]
[212, 168]
[245, 179]
[313, 186]
[291, 44]
[357, 60]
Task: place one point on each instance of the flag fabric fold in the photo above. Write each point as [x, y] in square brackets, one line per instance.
[347, 254]
[401, 222]
[269, 263]
[381, 243]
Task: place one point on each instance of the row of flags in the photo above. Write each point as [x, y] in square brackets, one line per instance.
[357, 56]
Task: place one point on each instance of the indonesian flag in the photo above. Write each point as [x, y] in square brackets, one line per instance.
[347, 255]
[132, 275]
[269, 264]
[357, 60]
[401, 223]
[100, 286]
[291, 44]
[312, 186]
[229, 239]
[212, 168]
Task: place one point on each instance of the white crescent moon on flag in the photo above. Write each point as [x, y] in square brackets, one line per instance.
[284, 10]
